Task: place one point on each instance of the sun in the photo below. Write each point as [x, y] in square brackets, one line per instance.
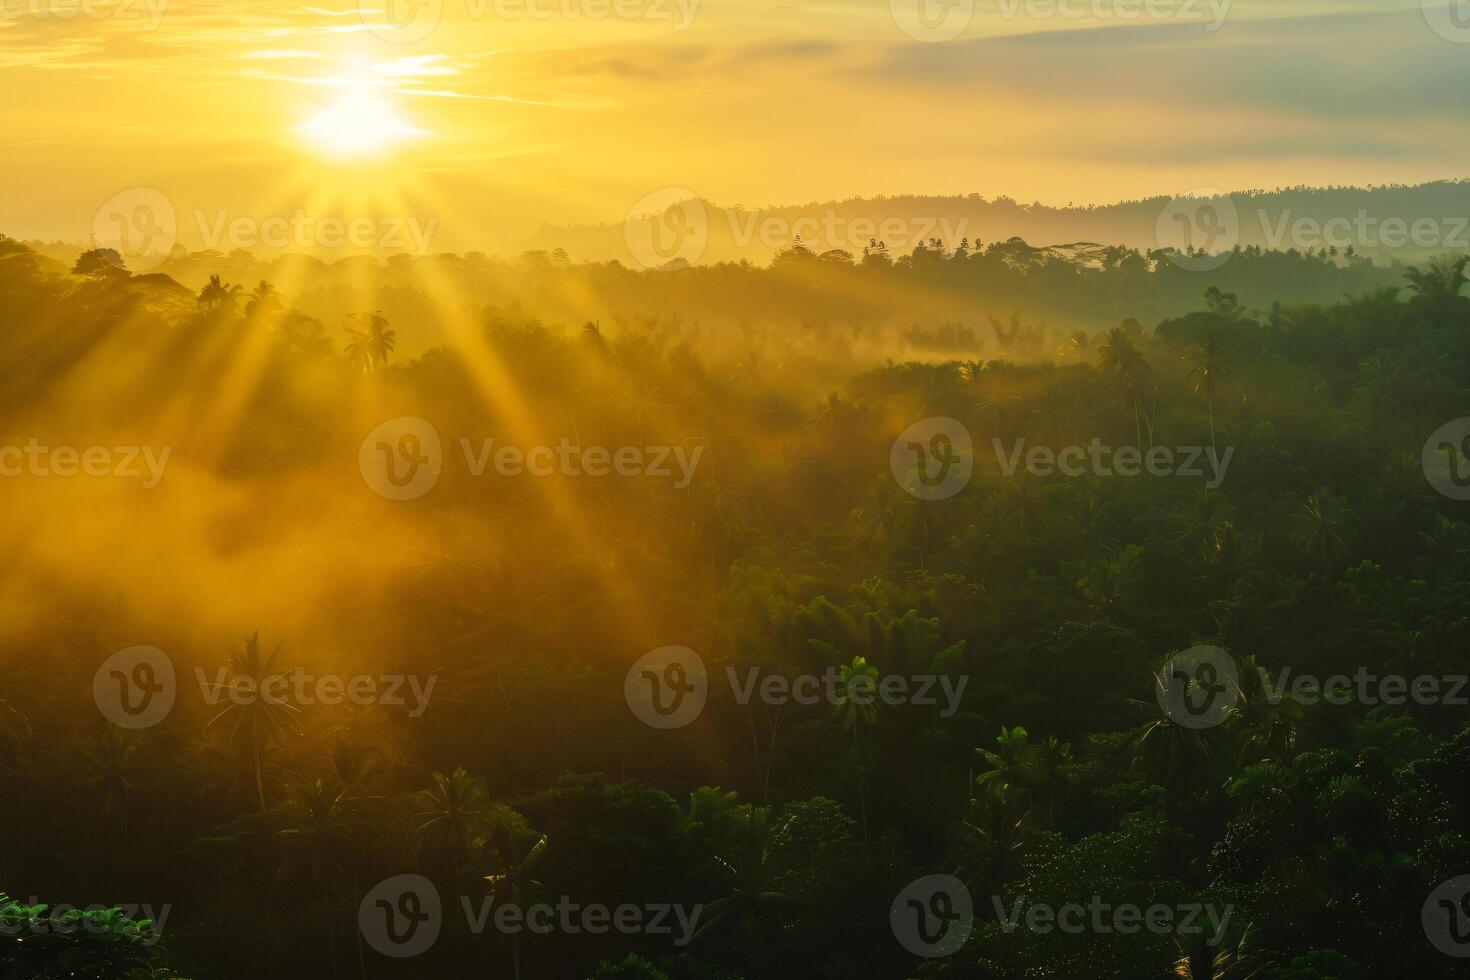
[358, 125]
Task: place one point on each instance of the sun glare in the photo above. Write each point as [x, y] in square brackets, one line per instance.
[359, 125]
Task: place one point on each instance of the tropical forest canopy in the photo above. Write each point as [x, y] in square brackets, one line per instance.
[234, 524]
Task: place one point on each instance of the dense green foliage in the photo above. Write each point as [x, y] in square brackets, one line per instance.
[794, 550]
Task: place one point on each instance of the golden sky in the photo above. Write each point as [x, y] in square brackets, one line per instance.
[490, 117]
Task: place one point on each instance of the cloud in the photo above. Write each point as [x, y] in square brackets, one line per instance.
[1363, 64]
[418, 66]
[278, 53]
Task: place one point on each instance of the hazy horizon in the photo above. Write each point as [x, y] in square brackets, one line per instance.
[515, 114]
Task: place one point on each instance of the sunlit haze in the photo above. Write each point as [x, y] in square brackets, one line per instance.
[523, 114]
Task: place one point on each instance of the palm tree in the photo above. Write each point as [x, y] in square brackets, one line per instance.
[753, 882]
[995, 832]
[451, 814]
[643, 399]
[1385, 384]
[1115, 349]
[1232, 958]
[854, 709]
[1266, 729]
[1445, 549]
[1180, 759]
[260, 718]
[1078, 343]
[217, 295]
[365, 740]
[922, 521]
[1027, 501]
[1010, 763]
[369, 347]
[1323, 529]
[321, 832]
[1198, 530]
[1002, 414]
[111, 763]
[1054, 769]
[513, 878]
[13, 721]
[1109, 583]
[1119, 355]
[1235, 555]
[264, 302]
[1208, 373]
[1439, 283]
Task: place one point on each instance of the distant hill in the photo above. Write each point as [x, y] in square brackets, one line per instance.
[1388, 222]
